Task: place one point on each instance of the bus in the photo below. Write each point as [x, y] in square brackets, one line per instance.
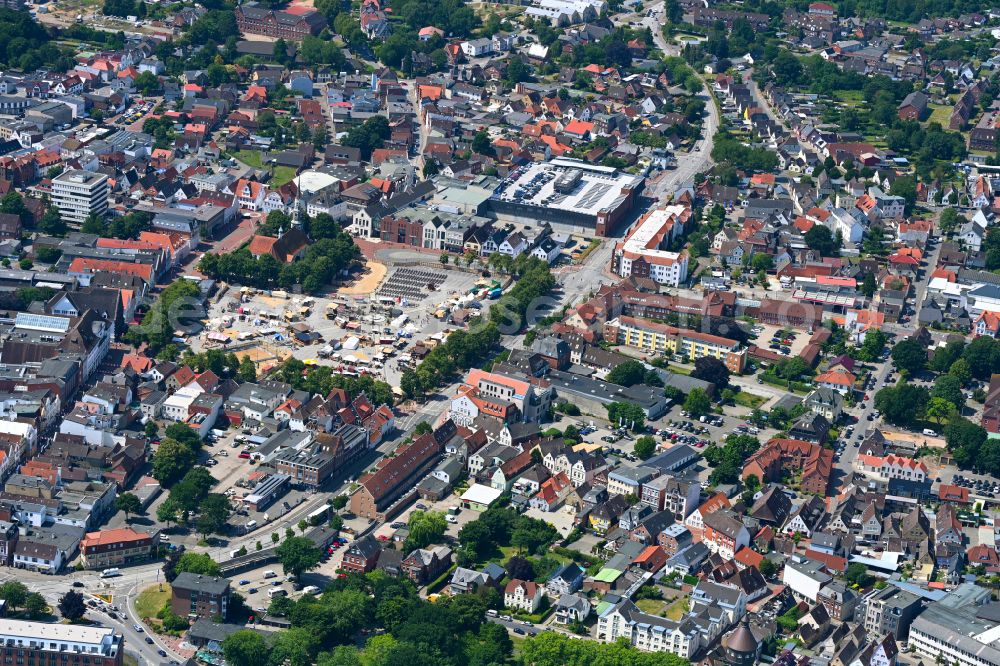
[318, 516]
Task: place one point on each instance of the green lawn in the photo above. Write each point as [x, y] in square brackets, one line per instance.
[252, 158]
[651, 606]
[282, 175]
[851, 98]
[673, 610]
[940, 114]
[677, 609]
[151, 600]
[679, 370]
[749, 400]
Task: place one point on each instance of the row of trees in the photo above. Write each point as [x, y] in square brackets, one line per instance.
[125, 227]
[323, 379]
[464, 349]
[324, 260]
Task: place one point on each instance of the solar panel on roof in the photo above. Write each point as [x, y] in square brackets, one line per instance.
[39, 322]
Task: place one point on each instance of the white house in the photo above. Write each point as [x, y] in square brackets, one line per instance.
[522, 595]
[805, 578]
[891, 467]
[475, 48]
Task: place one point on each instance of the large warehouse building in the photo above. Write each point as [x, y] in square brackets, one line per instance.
[571, 195]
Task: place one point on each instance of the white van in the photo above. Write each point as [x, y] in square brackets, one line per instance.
[251, 524]
[310, 589]
[930, 433]
[276, 592]
[111, 573]
[270, 574]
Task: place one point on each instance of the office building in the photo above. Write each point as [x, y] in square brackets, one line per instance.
[47, 644]
[78, 194]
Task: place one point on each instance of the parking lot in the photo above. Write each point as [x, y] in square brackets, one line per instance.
[781, 340]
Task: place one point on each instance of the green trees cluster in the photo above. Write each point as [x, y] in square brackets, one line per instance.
[124, 8]
[171, 309]
[322, 262]
[503, 526]
[322, 380]
[633, 372]
[971, 447]
[161, 129]
[904, 404]
[368, 136]
[910, 356]
[729, 458]
[407, 629]
[26, 45]
[214, 27]
[125, 227]
[729, 151]
[552, 649]
[191, 495]
[176, 453]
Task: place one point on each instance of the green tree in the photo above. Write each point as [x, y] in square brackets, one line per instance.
[248, 370]
[128, 503]
[481, 143]
[645, 447]
[909, 355]
[246, 648]
[197, 563]
[213, 514]
[166, 512]
[171, 460]
[949, 388]
[939, 410]
[820, 239]
[52, 223]
[297, 555]
[36, 606]
[697, 402]
[426, 528]
[627, 414]
[711, 370]
[72, 606]
[14, 593]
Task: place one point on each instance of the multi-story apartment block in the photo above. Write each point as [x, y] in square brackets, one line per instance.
[653, 337]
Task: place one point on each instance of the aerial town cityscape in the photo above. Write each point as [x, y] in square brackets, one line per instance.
[452, 332]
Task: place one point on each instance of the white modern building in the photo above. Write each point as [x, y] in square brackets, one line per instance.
[645, 252]
[649, 633]
[954, 631]
[98, 645]
[78, 194]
